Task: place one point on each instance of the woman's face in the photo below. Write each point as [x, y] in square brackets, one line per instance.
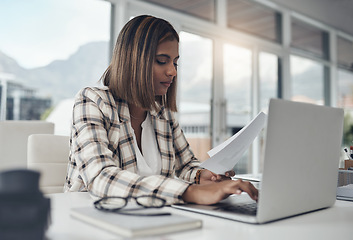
[165, 66]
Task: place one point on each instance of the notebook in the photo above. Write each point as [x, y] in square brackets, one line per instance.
[302, 151]
[135, 226]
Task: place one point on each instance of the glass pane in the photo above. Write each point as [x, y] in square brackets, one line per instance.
[268, 78]
[204, 9]
[345, 89]
[195, 82]
[51, 49]
[345, 53]
[268, 89]
[255, 19]
[309, 39]
[307, 80]
[345, 100]
[237, 90]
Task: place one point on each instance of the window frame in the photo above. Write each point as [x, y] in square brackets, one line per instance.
[220, 34]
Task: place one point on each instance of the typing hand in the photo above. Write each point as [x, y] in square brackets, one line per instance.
[216, 191]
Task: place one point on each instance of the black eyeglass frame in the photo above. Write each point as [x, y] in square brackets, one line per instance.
[120, 210]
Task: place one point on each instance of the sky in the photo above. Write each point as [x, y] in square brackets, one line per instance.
[36, 32]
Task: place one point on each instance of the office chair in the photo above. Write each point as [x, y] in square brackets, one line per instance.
[48, 154]
[13, 141]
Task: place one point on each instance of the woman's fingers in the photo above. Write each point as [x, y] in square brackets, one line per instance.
[249, 189]
[215, 191]
[230, 173]
[207, 175]
[239, 186]
[227, 175]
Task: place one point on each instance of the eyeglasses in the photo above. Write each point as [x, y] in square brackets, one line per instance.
[116, 204]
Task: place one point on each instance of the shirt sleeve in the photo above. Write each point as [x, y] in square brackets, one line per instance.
[95, 162]
[186, 162]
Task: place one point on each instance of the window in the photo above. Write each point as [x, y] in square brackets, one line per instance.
[204, 9]
[345, 89]
[268, 78]
[268, 88]
[257, 25]
[345, 100]
[52, 49]
[237, 91]
[345, 53]
[310, 39]
[255, 19]
[195, 82]
[307, 80]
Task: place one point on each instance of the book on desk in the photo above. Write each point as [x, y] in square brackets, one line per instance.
[135, 226]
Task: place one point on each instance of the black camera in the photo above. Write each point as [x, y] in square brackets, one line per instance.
[24, 211]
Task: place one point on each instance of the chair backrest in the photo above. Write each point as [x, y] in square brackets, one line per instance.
[49, 155]
[13, 141]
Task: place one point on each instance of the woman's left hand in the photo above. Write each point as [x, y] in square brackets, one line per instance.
[207, 176]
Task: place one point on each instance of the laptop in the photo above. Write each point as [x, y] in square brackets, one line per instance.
[302, 151]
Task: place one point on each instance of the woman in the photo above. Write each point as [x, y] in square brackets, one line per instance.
[125, 140]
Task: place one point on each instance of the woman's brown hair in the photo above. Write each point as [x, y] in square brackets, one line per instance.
[130, 73]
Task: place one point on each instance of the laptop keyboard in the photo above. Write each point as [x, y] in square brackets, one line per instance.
[246, 208]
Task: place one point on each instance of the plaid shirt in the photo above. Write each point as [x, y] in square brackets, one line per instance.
[103, 159]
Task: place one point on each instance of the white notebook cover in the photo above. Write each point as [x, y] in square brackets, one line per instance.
[135, 226]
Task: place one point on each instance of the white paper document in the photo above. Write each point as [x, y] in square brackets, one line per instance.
[224, 157]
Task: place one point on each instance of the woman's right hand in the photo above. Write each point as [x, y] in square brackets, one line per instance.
[216, 191]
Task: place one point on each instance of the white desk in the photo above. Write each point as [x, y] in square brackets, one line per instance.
[331, 223]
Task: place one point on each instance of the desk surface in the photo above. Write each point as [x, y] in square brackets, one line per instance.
[332, 223]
